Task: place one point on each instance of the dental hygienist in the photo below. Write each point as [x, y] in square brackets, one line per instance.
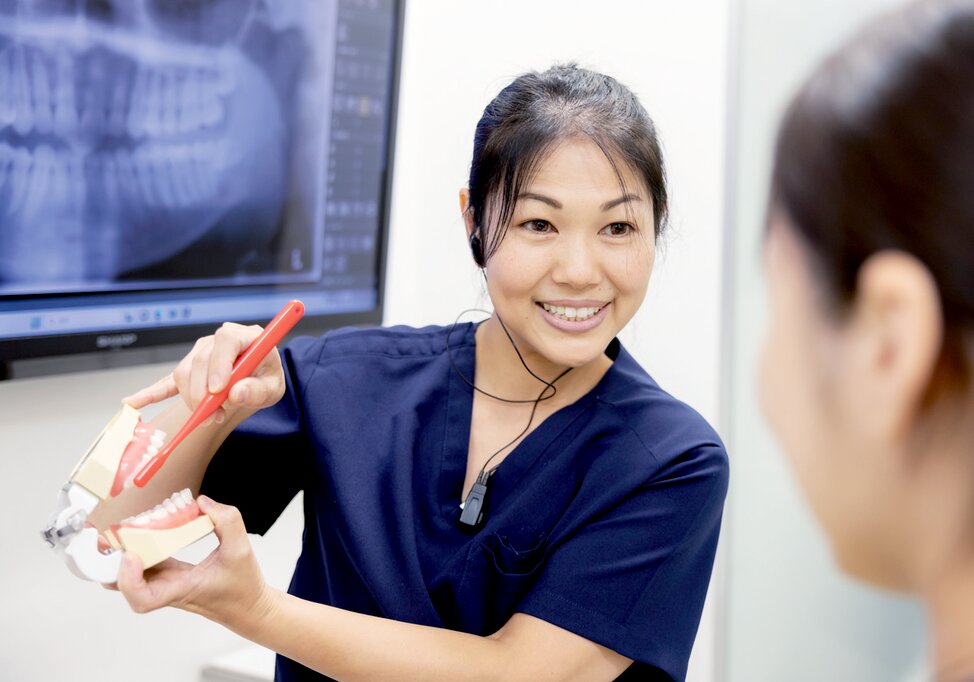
[867, 373]
[591, 498]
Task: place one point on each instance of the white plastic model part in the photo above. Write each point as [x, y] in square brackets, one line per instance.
[85, 561]
[96, 470]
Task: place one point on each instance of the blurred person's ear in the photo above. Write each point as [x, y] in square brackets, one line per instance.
[895, 337]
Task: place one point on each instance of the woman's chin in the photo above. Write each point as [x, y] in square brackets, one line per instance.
[877, 571]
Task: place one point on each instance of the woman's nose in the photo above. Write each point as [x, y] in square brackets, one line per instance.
[576, 262]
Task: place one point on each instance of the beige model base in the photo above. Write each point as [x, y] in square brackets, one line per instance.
[96, 470]
[154, 546]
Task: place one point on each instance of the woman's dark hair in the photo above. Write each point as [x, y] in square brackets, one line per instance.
[876, 151]
[532, 114]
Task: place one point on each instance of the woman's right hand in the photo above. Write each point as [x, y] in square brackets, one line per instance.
[206, 369]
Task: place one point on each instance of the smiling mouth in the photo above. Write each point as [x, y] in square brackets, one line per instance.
[570, 314]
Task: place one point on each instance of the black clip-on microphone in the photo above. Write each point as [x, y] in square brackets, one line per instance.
[473, 506]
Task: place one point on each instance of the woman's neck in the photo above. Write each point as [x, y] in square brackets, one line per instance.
[500, 372]
[951, 610]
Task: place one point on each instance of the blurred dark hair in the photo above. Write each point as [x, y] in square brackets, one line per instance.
[876, 151]
[537, 110]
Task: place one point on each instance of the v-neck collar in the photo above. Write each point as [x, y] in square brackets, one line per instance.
[462, 345]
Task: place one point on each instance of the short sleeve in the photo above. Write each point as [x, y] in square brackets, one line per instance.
[634, 578]
[262, 463]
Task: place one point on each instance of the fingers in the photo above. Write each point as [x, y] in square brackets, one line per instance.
[206, 369]
[131, 583]
[229, 341]
[228, 525]
[161, 390]
[253, 393]
[165, 584]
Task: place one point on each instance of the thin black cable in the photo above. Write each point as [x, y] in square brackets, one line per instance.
[484, 473]
[487, 473]
[449, 353]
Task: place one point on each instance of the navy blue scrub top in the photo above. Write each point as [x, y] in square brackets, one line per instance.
[603, 520]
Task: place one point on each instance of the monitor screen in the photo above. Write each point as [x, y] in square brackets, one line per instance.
[166, 166]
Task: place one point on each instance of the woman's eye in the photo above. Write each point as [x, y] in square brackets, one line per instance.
[538, 226]
[618, 229]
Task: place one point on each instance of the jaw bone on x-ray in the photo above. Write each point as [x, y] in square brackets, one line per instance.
[142, 140]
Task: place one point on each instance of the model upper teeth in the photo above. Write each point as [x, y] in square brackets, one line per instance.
[571, 313]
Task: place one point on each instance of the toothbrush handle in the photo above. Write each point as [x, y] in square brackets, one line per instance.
[244, 366]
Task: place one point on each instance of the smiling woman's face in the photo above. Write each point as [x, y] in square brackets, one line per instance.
[575, 262]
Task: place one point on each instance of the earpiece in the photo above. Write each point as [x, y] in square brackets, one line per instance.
[477, 249]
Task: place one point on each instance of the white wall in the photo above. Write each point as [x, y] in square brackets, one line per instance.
[457, 56]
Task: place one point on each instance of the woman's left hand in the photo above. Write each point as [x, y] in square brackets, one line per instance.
[226, 587]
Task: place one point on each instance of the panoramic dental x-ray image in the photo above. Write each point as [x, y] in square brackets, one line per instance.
[152, 141]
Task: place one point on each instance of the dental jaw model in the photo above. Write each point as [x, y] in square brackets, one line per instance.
[128, 453]
[110, 466]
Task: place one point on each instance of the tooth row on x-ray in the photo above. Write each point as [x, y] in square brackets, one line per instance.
[44, 91]
[153, 176]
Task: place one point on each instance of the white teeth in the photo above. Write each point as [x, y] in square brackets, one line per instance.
[571, 313]
[156, 439]
[169, 506]
[142, 519]
[158, 513]
[20, 171]
[43, 112]
[177, 499]
[154, 104]
[21, 89]
[186, 495]
[117, 120]
[8, 104]
[45, 174]
[137, 115]
[161, 434]
[65, 115]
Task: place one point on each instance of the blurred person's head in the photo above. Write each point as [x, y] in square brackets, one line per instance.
[866, 376]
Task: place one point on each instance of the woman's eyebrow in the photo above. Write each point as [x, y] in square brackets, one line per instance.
[554, 203]
[609, 205]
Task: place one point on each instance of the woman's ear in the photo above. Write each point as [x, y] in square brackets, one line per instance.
[897, 330]
[466, 211]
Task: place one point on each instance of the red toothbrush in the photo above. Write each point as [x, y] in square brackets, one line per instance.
[244, 365]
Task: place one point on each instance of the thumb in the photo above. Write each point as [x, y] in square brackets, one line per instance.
[250, 392]
[228, 525]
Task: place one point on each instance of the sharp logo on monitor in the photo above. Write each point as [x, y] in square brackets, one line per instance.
[116, 340]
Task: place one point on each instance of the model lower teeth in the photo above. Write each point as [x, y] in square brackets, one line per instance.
[174, 504]
[570, 314]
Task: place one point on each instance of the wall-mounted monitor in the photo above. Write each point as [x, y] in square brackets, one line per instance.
[167, 165]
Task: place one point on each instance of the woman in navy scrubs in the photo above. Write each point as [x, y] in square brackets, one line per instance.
[591, 498]
[867, 372]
